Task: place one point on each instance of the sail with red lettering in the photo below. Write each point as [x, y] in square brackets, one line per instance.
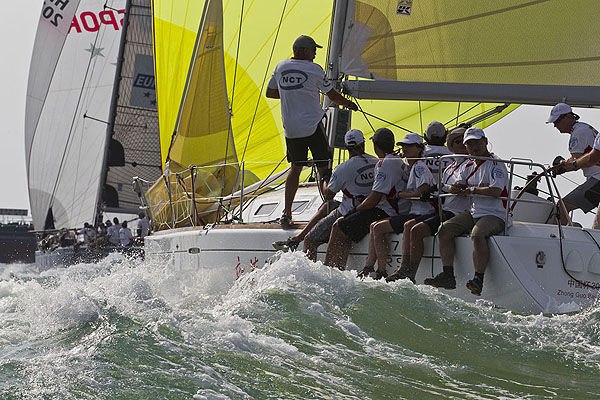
[84, 135]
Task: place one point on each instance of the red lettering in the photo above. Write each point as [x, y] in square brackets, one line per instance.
[87, 15]
[108, 18]
[75, 24]
[121, 12]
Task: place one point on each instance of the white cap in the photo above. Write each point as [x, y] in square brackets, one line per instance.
[354, 137]
[473, 133]
[435, 129]
[557, 111]
[411, 138]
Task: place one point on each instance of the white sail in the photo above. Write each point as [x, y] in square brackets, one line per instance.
[66, 154]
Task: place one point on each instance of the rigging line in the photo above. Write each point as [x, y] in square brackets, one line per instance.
[457, 114]
[387, 122]
[247, 204]
[465, 112]
[67, 145]
[420, 116]
[264, 79]
[364, 114]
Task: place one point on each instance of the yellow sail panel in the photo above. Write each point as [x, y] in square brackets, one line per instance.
[202, 133]
[175, 26]
[472, 41]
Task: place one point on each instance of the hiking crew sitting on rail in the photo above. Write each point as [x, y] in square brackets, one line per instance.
[417, 229]
[583, 139]
[125, 235]
[297, 81]
[391, 174]
[485, 218]
[419, 180]
[354, 177]
[435, 137]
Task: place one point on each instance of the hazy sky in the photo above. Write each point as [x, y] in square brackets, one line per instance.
[521, 134]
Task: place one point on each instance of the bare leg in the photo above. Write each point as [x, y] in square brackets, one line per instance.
[596, 223]
[481, 253]
[417, 235]
[380, 229]
[406, 242]
[310, 248]
[291, 186]
[319, 215]
[338, 248]
[447, 249]
[372, 255]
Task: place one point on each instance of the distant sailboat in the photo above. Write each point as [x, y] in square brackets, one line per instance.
[91, 115]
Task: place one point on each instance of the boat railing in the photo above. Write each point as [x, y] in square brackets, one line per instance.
[552, 189]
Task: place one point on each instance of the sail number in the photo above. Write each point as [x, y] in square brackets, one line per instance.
[90, 21]
[52, 9]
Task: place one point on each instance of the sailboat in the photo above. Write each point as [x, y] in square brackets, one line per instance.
[91, 116]
[439, 55]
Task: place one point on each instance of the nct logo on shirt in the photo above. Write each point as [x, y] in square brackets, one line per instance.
[364, 177]
[292, 79]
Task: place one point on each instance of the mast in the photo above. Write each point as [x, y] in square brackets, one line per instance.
[112, 115]
[335, 44]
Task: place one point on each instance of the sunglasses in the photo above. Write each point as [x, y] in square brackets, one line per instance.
[560, 118]
[458, 140]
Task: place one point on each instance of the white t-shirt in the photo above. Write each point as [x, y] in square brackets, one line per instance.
[583, 139]
[419, 175]
[391, 176]
[434, 163]
[488, 174]
[299, 83]
[113, 233]
[125, 236]
[144, 226]
[354, 178]
[455, 173]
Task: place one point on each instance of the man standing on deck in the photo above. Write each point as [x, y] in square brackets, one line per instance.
[584, 138]
[297, 82]
[487, 180]
[391, 175]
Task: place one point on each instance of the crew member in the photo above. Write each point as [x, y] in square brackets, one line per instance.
[486, 182]
[297, 82]
[583, 138]
[435, 136]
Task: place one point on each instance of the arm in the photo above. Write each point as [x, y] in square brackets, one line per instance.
[272, 93]
[337, 98]
[420, 189]
[370, 202]
[583, 161]
[328, 194]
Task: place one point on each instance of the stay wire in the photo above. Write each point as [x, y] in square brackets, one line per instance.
[378, 118]
[264, 79]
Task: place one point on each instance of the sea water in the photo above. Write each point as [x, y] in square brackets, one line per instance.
[294, 329]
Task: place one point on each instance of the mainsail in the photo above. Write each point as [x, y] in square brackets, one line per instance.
[461, 50]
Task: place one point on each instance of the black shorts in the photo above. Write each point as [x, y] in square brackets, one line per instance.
[297, 149]
[585, 196]
[357, 225]
[433, 220]
[397, 221]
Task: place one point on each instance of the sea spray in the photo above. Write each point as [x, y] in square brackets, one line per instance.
[289, 329]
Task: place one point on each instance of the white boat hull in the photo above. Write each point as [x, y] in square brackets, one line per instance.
[525, 273]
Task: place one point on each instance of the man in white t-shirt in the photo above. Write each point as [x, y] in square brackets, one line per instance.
[487, 180]
[297, 81]
[143, 227]
[113, 232]
[354, 178]
[125, 235]
[391, 176]
[583, 141]
[435, 136]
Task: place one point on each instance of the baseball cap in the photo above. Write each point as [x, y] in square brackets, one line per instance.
[306, 42]
[473, 133]
[383, 137]
[435, 129]
[557, 111]
[452, 135]
[411, 138]
[354, 137]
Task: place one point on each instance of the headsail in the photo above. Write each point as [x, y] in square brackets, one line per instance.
[66, 147]
[456, 50]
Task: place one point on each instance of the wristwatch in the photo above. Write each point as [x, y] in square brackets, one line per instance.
[472, 189]
[575, 165]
